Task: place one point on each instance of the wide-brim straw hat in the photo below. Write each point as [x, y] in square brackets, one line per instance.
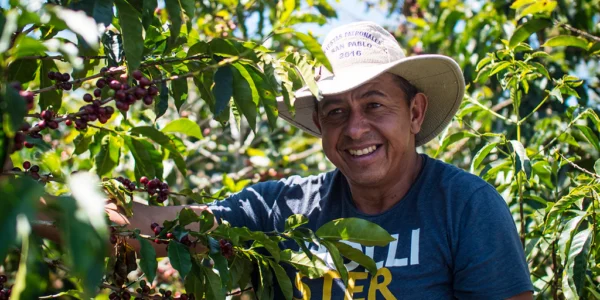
[359, 52]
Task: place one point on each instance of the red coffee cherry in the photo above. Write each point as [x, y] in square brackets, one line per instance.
[100, 83]
[137, 74]
[26, 166]
[88, 98]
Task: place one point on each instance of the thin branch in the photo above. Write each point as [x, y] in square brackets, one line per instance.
[80, 80]
[43, 178]
[579, 32]
[60, 57]
[173, 59]
[576, 166]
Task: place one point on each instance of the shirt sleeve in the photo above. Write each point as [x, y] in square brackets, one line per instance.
[489, 262]
[250, 207]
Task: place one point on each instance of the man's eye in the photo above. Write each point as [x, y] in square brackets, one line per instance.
[333, 112]
[374, 105]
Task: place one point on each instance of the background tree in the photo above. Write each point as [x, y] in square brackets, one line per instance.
[174, 103]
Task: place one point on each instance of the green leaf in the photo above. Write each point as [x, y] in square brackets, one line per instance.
[267, 95]
[222, 90]
[184, 126]
[220, 262]
[189, 6]
[108, 157]
[337, 261]
[355, 230]
[314, 48]
[245, 94]
[31, 279]
[131, 29]
[20, 196]
[50, 98]
[15, 110]
[540, 68]
[79, 23]
[174, 11]
[160, 106]
[284, 10]
[179, 88]
[164, 141]
[179, 256]
[148, 8]
[23, 70]
[499, 67]
[575, 247]
[103, 11]
[597, 166]
[524, 31]
[357, 256]
[481, 155]
[294, 221]
[590, 135]
[216, 290]
[567, 40]
[83, 141]
[453, 138]
[580, 261]
[148, 161]
[300, 65]
[85, 245]
[194, 282]
[566, 202]
[284, 280]
[187, 216]
[522, 162]
[313, 267]
[148, 261]
[265, 287]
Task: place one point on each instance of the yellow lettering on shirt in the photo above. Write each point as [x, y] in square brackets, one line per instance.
[352, 287]
[302, 287]
[381, 287]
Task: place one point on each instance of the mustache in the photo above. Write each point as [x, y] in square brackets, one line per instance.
[350, 143]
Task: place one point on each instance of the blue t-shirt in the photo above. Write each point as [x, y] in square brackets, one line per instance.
[455, 237]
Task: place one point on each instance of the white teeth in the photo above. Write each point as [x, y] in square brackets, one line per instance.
[362, 151]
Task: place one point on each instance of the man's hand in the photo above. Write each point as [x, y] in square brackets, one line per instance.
[144, 216]
[522, 296]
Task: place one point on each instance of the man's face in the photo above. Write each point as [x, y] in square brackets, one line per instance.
[369, 132]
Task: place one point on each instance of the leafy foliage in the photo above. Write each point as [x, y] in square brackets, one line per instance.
[528, 125]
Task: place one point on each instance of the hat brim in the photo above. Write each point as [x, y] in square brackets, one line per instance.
[438, 77]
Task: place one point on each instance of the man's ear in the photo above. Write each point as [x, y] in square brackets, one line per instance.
[315, 117]
[418, 108]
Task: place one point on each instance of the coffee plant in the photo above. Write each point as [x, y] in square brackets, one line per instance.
[528, 123]
[173, 103]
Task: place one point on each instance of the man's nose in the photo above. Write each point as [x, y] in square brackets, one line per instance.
[357, 125]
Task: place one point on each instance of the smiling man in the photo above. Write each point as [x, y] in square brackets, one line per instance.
[455, 237]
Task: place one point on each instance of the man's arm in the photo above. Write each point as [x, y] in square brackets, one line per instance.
[522, 296]
[143, 217]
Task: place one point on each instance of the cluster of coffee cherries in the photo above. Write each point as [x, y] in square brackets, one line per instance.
[4, 292]
[166, 294]
[113, 235]
[226, 248]
[144, 289]
[20, 138]
[157, 229]
[156, 187]
[90, 113]
[124, 94]
[127, 183]
[124, 295]
[47, 120]
[27, 95]
[62, 80]
[32, 169]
